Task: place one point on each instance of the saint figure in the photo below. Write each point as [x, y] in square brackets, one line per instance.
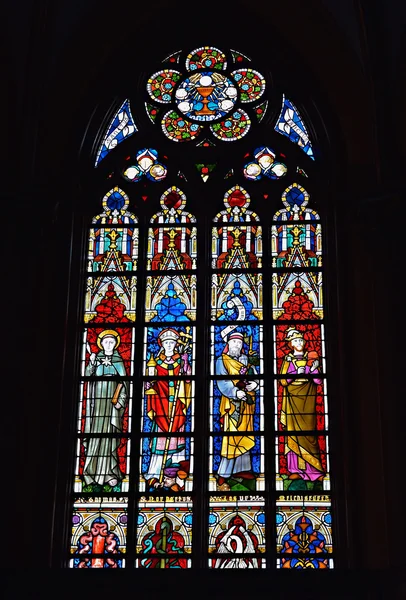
[167, 404]
[298, 411]
[237, 407]
[106, 401]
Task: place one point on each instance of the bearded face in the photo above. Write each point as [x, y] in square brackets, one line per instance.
[234, 347]
[297, 344]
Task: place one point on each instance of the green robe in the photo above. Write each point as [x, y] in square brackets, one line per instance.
[101, 463]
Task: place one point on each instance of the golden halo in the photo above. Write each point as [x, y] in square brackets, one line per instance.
[110, 332]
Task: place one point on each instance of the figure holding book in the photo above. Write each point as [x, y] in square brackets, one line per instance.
[106, 401]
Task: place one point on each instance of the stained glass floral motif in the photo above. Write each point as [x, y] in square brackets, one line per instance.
[205, 169]
[174, 57]
[251, 84]
[146, 165]
[164, 533]
[206, 94]
[177, 129]
[99, 533]
[260, 110]
[161, 85]
[233, 128]
[206, 57]
[121, 127]
[239, 57]
[264, 164]
[152, 112]
[304, 533]
[291, 124]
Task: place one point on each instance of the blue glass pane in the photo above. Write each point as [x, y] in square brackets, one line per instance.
[291, 125]
[121, 127]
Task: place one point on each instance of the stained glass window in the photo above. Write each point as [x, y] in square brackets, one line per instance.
[202, 427]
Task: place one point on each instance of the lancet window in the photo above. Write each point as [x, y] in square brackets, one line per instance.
[201, 435]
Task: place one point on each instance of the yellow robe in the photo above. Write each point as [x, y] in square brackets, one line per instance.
[298, 413]
[236, 445]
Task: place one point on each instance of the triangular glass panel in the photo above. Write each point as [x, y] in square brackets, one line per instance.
[152, 112]
[239, 57]
[260, 110]
[181, 175]
[206, 143]
[173, 58]
[121, 127]
[205, 170]
[292, 126]
[301, 172]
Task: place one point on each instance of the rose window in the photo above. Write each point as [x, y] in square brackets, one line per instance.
[206, 96]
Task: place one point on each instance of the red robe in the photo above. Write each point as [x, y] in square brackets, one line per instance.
[161, 397]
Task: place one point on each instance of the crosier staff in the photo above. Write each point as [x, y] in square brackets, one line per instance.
[185, 345]
[241, 316]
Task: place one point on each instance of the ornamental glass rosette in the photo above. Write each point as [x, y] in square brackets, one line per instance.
[206, 96]
[146, 164]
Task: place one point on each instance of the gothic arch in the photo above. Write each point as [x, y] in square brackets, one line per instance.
[77, 110]
[85, 202]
